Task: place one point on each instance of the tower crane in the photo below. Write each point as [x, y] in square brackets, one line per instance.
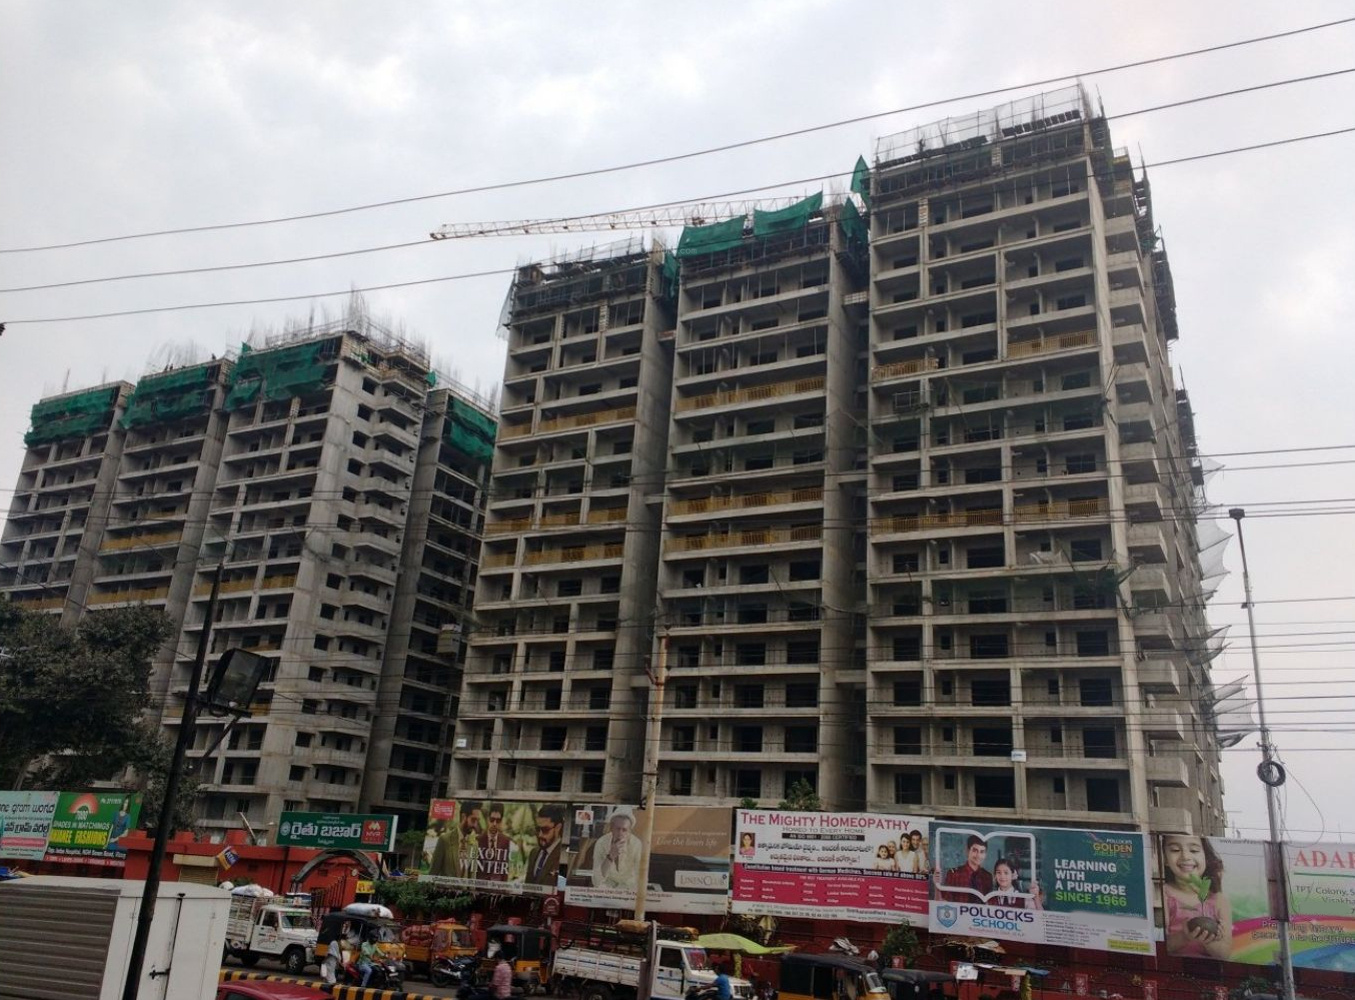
[653, 217]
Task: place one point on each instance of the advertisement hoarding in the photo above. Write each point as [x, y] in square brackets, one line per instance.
[87, 826]
[494, 846]
[1216, 901]
[1042, 885]
[688, 863]
[354, 831]
[25, 821]
[847, 866]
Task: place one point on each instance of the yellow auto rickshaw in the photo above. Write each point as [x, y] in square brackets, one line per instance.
[528, 951]
[440, 939]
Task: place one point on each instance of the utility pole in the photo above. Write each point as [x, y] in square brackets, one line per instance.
[650, 787]
[1271, 773]
[187, 727]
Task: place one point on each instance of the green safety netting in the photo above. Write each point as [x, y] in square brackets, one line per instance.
[469, 430]
[853, 226]
[861, 180]
[785, 219]
[669, 273]
[168, 396]
[71, 416]
[279, 374]
[709, 239]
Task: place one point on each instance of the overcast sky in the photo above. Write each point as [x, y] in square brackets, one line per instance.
[128, 118]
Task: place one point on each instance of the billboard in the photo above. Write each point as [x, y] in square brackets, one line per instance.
[849, 866]
[87, 826]
[1042, 885]
[494, 846]
[688, 862]
[25, 820]
[1217, 893]
[353, 831]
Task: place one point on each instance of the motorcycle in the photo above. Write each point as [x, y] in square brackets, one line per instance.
[387, 974]
[453, 971]
[709, 992]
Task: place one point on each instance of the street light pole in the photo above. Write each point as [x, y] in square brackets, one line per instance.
[649, 791]
[187, 726]
[1271, 773]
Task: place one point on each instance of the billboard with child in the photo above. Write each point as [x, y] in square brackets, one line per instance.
[1042, 885]
[1219, 897]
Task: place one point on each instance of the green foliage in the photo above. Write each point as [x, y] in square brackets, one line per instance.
[901, 941]
[801, 798]
[1251, 986]
[420, 900]
[71, 699]
[747, 802]
[71, 704]
[1200, 885]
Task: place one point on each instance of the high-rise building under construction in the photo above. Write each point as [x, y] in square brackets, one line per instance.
[904, 485]
[340, 490]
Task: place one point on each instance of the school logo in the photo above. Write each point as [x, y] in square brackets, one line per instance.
[946, 915]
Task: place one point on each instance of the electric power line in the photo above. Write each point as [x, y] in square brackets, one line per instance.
[513, 228]
[977, 95]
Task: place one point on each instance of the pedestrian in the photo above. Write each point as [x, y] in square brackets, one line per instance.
[331, 930]
[502, 982]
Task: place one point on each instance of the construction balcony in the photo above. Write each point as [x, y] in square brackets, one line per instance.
[1169, 772]
[1173, 819]
[794, 501]
[679, 547]
[568, 422]
[1161, 674]
[760, 396]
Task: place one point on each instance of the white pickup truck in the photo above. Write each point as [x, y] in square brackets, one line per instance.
[264, 926]
[608, 964]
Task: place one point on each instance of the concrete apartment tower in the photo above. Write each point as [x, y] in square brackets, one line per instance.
[343, 496]
[917, 517]
[554, 698]
[759, 584]
[1037, 638]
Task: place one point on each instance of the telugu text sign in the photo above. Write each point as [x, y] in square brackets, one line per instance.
[350, 831]
[1042, 885]
[849, 866]
[25, 821]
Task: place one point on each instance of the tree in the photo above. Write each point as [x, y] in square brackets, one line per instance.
[72, 700]
[801, 797]
[901, 941]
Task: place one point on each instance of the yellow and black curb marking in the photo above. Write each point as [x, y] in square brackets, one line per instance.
[338, 992]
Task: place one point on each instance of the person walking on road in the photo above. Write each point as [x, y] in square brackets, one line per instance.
[502, 983]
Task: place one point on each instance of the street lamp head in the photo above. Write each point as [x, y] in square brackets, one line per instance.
[1236, 513]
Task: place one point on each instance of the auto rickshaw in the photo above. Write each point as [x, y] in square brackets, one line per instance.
[918, 984]
[440, 939]
[528, 951]
[829, 977]
[367, 920]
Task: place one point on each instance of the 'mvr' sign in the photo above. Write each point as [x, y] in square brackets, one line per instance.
[337, 830]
